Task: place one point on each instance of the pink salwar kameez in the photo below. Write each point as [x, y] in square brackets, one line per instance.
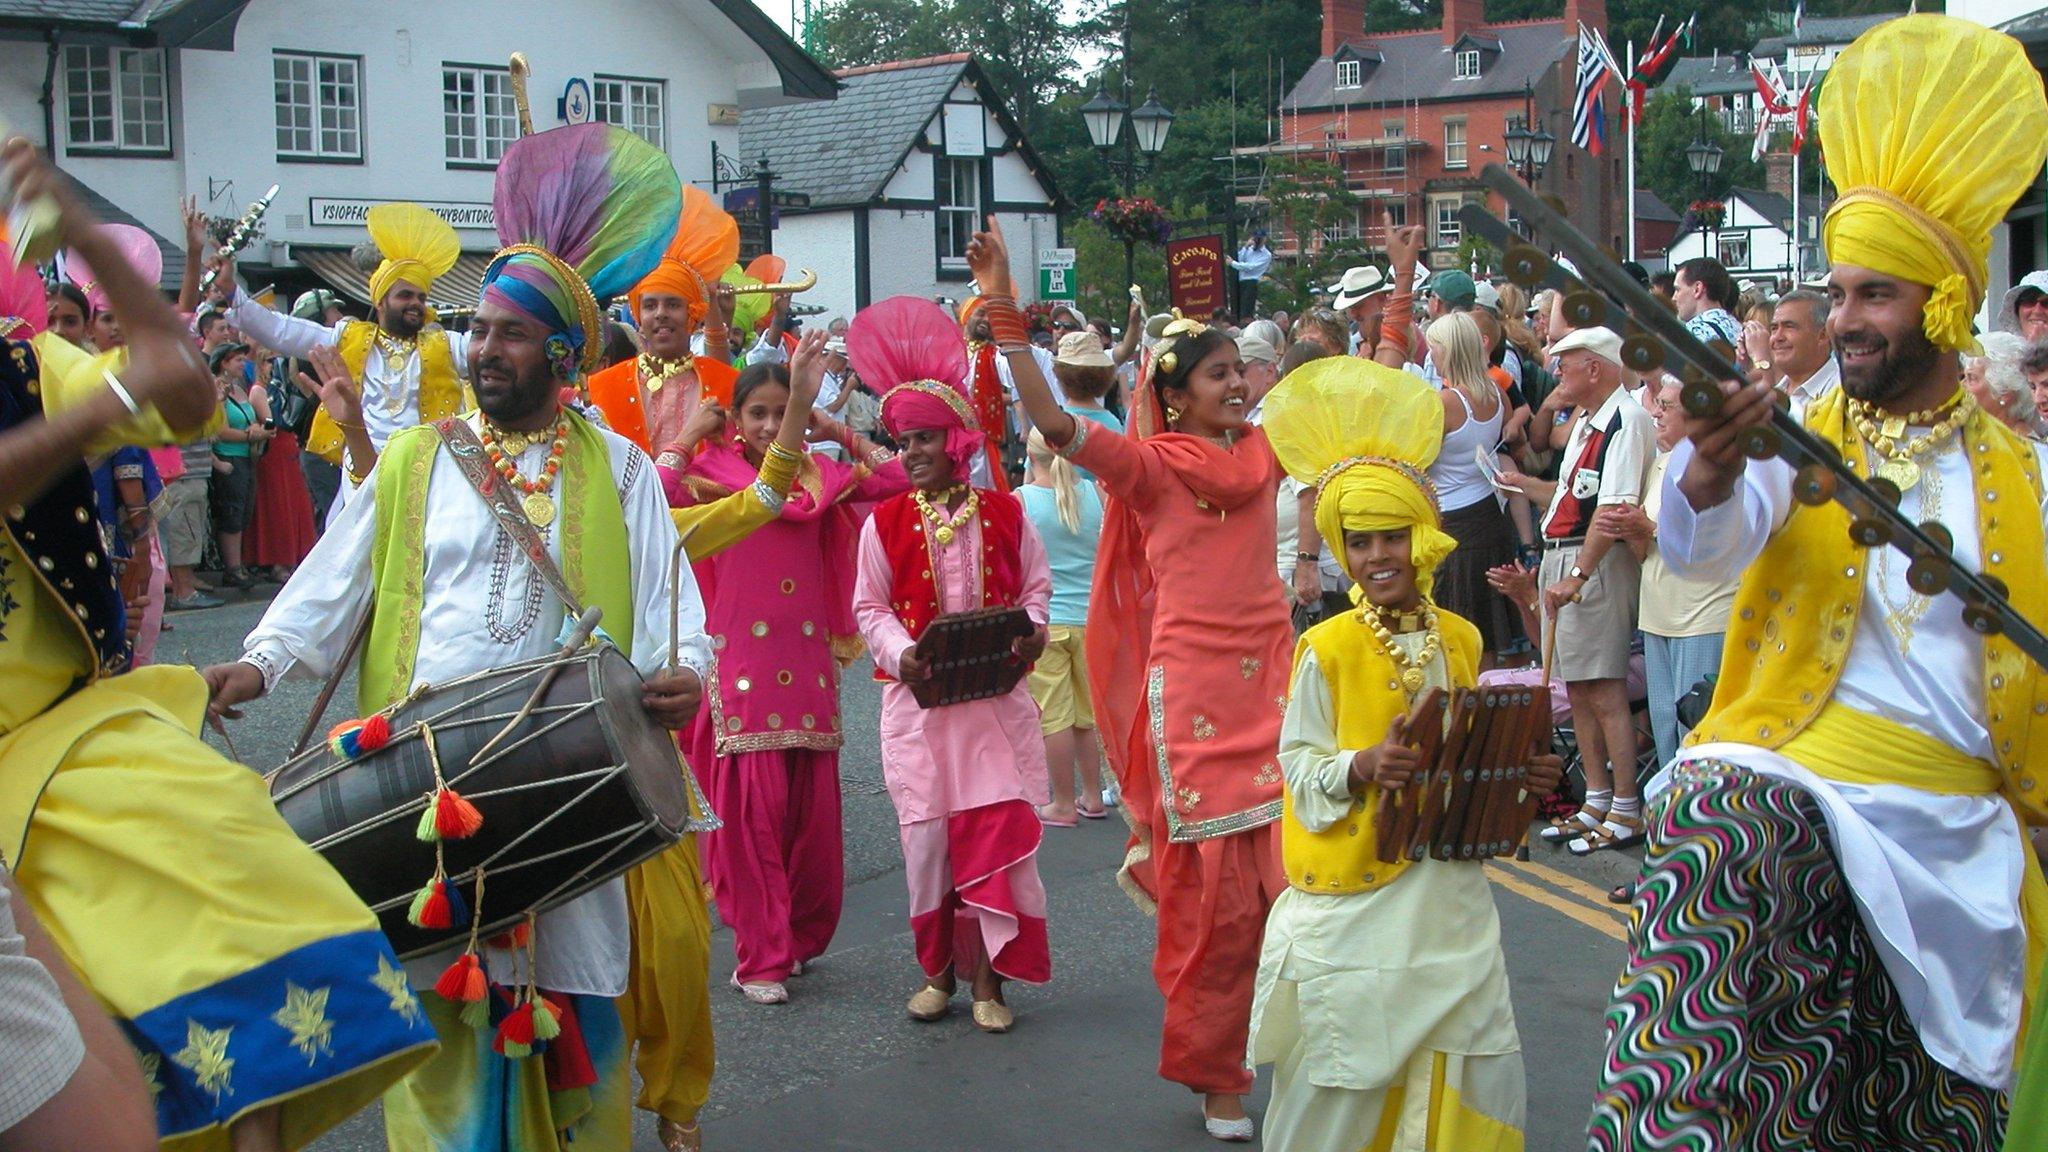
[965, 778]
[766, 743]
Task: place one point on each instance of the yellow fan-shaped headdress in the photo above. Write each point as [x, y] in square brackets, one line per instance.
[1363, 435]
[1932, 127]
[418, 247]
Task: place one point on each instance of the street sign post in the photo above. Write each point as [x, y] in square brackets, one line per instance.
[1056, 274]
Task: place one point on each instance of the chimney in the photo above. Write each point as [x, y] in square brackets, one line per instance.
[1591, 13]
[1462, 16]
[1778, 173]
[1343, 22]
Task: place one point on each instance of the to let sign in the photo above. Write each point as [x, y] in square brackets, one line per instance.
[1056, 274]
[1194, 274]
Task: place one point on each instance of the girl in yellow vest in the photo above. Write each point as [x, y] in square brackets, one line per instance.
[1382, 995]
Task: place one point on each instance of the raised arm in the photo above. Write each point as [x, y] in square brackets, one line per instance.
[288, 335]
[197, 240]
[989, 258]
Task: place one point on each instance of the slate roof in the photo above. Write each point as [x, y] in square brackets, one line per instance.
[843, 151]
[1417, 67]
[146, 23]
[1823, 30]
[112, 213]
[1710, 76]
[1650, 207]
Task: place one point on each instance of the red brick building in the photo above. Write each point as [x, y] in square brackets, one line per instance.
[1413, 117]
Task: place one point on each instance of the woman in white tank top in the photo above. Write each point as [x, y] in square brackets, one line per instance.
[1474, 409]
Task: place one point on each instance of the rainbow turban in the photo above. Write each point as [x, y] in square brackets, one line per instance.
[584, 213]
[418, 248]
[910, 351]
[1932, 127]
[1363, 435]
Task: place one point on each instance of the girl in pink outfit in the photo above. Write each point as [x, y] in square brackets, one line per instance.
[966, 778]
[766, 743]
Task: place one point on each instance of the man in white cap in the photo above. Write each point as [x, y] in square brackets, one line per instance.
[1362, 296]
[1591, 580]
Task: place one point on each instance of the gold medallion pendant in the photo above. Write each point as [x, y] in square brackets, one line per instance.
[1901, 471]
[1411, 680]
[944, 534]
[539, 508]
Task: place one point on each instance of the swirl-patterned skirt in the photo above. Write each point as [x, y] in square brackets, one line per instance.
[1754, 1011]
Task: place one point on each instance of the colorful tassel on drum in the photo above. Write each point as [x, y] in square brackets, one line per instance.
[514, 938]
[464, 982]
[448, 816]
[438, 905]
[545, 1026]
[515, 1034]
[353, 738]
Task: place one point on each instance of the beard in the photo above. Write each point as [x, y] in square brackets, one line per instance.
[526, 396]
[402, 322]
[1903, 365]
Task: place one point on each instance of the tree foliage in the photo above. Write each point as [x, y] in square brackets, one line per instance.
[1670, 125]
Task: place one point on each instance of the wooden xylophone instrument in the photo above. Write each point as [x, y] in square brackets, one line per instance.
[1470, 799]
[972, 656]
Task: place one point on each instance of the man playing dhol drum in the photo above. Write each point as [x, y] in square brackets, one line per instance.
[448, 593]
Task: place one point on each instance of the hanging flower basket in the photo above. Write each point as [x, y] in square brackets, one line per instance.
[1135, 221]
[1710, 213]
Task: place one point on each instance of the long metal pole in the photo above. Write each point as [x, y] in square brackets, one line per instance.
[1628, 113]
[1130, 136]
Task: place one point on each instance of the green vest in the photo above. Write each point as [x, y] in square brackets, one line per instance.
[595, 559]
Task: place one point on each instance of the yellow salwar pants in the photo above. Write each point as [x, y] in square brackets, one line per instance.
[667, 1006]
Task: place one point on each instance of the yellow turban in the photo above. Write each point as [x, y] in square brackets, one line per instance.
[1932, 127]
[1363, 435]
[418, 247]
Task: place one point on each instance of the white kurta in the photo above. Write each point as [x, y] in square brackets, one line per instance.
[391, 387]
[486, 608]
[1936, 877]
[1354, 989]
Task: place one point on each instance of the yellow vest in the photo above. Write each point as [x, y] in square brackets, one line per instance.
[1365, 691]
[441, 390]
[1795, 611]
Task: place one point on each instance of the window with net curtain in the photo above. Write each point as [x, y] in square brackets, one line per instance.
[959, 203]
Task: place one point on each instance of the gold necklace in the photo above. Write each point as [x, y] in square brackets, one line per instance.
[1413, 671]
[1885, 433]
[944, 527]
[539, 506]
[396, 347]
[655, 370]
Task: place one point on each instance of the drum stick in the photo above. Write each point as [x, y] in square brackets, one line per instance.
[1549, 642]
[348, 656]
[675, 594]
[221, 727]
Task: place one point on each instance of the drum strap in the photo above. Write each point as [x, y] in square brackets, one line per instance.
[476, 468]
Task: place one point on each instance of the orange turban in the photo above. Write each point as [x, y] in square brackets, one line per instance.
[707, 240]
[969, 307]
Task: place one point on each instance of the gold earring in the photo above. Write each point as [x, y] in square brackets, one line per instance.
[1172, 414]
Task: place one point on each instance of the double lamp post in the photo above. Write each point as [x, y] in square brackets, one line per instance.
[1105, 115]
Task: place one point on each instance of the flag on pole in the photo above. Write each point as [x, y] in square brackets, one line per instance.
[1659, 59]
[1780, 106]
[1589, 110]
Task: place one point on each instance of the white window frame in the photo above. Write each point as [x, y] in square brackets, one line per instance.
[121, 96]
[479, 117]
[636, 103]
[1729, 245]
[958, 216]
[1454, 149]
[1349, 74]
[1465, 64]
[1394, 158]
[1449, 230]
[323, 119]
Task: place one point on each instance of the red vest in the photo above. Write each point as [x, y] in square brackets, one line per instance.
[914, 591]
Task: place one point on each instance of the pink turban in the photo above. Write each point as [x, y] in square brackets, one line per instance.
[910, 351]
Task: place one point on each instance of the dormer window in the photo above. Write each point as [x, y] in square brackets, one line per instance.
[1466, 63]
[1347, 73]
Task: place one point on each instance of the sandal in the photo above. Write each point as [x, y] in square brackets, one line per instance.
[764, 992]
[676, 1137]
[1614, 832]
[1563, 828]
[1092, 814]
[1622, 893]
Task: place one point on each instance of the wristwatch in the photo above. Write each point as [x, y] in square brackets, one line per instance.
[1306, 557]
[1577, 573]
[1763, 365]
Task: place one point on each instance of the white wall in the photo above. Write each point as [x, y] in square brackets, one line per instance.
[822, 242]
[901, 263]
[1992, 12]
[225, 152]
[1770, 248]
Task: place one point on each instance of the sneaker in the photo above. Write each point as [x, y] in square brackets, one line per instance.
[195, 600]
[1110, 796]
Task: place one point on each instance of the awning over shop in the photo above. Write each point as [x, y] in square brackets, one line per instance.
[458, 290]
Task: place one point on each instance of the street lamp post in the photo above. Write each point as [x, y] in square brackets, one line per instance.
[1529, 150]
[1704, 158]
[1104, 115]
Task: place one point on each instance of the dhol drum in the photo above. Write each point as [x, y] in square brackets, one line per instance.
[573, 790]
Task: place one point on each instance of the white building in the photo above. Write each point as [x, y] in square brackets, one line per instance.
[900, 170]
[1724, 83]
[1753, 241]
[344, 103]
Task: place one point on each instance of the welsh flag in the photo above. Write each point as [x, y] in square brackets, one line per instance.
[1656, 63]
